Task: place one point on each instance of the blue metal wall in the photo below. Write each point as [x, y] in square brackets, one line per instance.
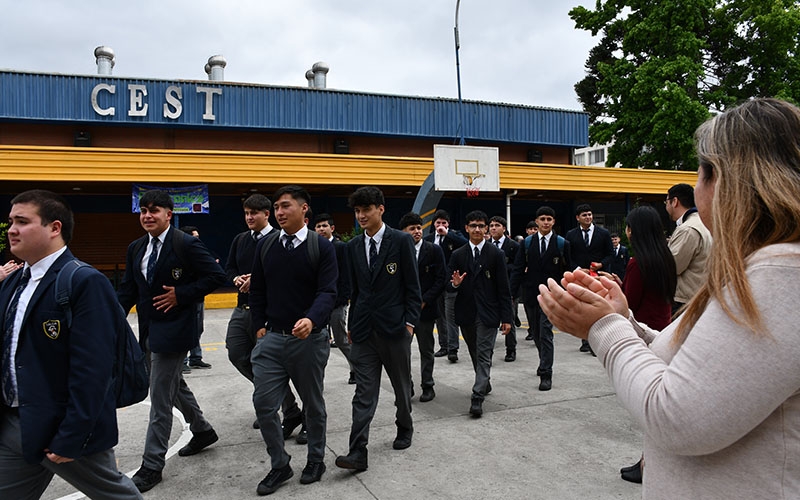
[67, 98]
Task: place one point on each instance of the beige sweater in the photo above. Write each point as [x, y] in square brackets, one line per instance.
[690, 245]
[721, 414]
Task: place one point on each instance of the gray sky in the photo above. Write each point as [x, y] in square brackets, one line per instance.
[513, 51]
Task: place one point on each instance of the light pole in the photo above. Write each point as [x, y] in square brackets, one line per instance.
[461, 141]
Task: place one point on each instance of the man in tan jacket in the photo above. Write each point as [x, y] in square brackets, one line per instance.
[690, 243]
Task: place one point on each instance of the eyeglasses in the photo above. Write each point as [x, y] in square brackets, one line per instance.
[476, 226]
[666, 202]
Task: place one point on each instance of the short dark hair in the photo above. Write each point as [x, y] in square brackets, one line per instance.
[476, 215]
[684, 193]
[500, 220]
[410, 219]
[51, 207]
[190, 229]
[156, 198]
[257, 202]
[366, 196]
[441, 214]
[324, 217]
[583, 207]
[296, 192]
[615, 235]
[532, 224]
[545, 210]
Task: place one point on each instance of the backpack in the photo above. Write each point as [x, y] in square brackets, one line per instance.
[312, 244]
[129, 377]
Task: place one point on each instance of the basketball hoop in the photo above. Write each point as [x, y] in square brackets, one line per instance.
[472, 184]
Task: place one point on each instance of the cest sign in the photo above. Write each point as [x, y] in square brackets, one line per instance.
[138, 105]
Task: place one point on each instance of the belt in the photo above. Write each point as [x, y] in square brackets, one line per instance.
[287, 333]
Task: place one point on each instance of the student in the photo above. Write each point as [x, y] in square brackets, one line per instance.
[483, 301]
[167, 285]
[384, 309]
[497, 230]
[57, 415]
[432, 271]
[291, 299]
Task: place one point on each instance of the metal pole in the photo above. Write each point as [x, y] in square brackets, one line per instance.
[461, 141]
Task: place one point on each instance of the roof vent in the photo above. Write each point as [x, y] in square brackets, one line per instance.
[215, 68]
[310, 78]
[104, 57]
[320, 69]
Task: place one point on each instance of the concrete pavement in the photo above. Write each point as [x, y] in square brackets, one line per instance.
[568, 443]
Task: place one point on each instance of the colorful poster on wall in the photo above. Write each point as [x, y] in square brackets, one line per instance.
[187, 199]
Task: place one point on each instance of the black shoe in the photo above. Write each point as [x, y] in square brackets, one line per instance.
[274, 479]
[440, 353]
[511, 356]
[634, 475]
[302, 436]
[476, 408]
[585, 346]
[186, 368]
[403, 439]
[453, 356]
[352, 379]
[333, 344]
[145, 478]
[546, 384]
[199, 364]
[427, 394]
[529, 336]
[631, 467]
[312, 473]
[355, 460]
[256, 425]
[290, 424]
[198, 442]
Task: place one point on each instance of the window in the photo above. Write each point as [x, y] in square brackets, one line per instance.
[580, 159]
[597, 156]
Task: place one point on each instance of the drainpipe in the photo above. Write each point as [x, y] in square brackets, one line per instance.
[508, 210]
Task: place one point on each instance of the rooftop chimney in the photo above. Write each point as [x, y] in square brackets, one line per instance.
[104, 57]
[310, 78]
[320, 69]
[215, 68]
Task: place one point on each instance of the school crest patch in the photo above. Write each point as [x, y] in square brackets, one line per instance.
[177, 272]
[52, 328]
[555, 260]
[391, 267]
[488, 274]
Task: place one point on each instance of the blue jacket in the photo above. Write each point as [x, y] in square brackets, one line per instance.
[433, 278]
[485, 292]
[178, 329]
[65, 400]
[385, 299]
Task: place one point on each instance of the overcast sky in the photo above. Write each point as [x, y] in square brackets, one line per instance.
[514, 51]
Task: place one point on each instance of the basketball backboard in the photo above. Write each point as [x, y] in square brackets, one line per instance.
[466, 168]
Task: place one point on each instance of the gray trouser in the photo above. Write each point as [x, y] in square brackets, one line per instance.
[278, 358]
[240, 340]
[168, 389]
[511, 336]
[339, 331]
[480, 342]
[196, 352]
[369, 358]
[446, 323]
[424, 333]
[95, 475]
[543, 338]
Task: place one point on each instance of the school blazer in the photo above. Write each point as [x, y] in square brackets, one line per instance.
[600, 248]
[532, 269]
[178, 329]
[388, 297]
[485, 291]
[65, 401]
[432, 271]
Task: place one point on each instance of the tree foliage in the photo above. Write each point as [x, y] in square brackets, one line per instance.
[661, 68]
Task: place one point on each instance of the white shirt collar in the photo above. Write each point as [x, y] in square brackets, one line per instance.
[301, 234]
[378, 237]
[39, 269]
[479, 245]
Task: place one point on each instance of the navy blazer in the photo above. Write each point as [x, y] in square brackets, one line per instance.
[510, 249]
[178, 329]
[616, 264]
[343, 282]
[452, 241]
[432, 271]
[532, 269]
[599, 249]
[388, 297]
[65, 399]
[485, 291]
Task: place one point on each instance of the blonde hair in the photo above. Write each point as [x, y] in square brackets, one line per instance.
[753, 153]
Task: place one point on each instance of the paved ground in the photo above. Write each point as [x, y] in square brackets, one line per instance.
[568, 443]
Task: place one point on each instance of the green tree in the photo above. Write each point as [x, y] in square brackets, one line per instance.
[661, 68]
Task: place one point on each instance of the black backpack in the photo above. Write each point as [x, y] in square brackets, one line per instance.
[130, 378]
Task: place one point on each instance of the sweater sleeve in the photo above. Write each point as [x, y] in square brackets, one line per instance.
[633, 287]
[721, 383]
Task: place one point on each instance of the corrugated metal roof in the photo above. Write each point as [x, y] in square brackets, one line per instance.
[56, 98]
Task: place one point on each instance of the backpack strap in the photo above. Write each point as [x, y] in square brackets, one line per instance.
[178, 248]
[269, 240]
[63, 287]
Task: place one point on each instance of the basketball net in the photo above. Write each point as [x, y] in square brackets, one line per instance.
[472, 184]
